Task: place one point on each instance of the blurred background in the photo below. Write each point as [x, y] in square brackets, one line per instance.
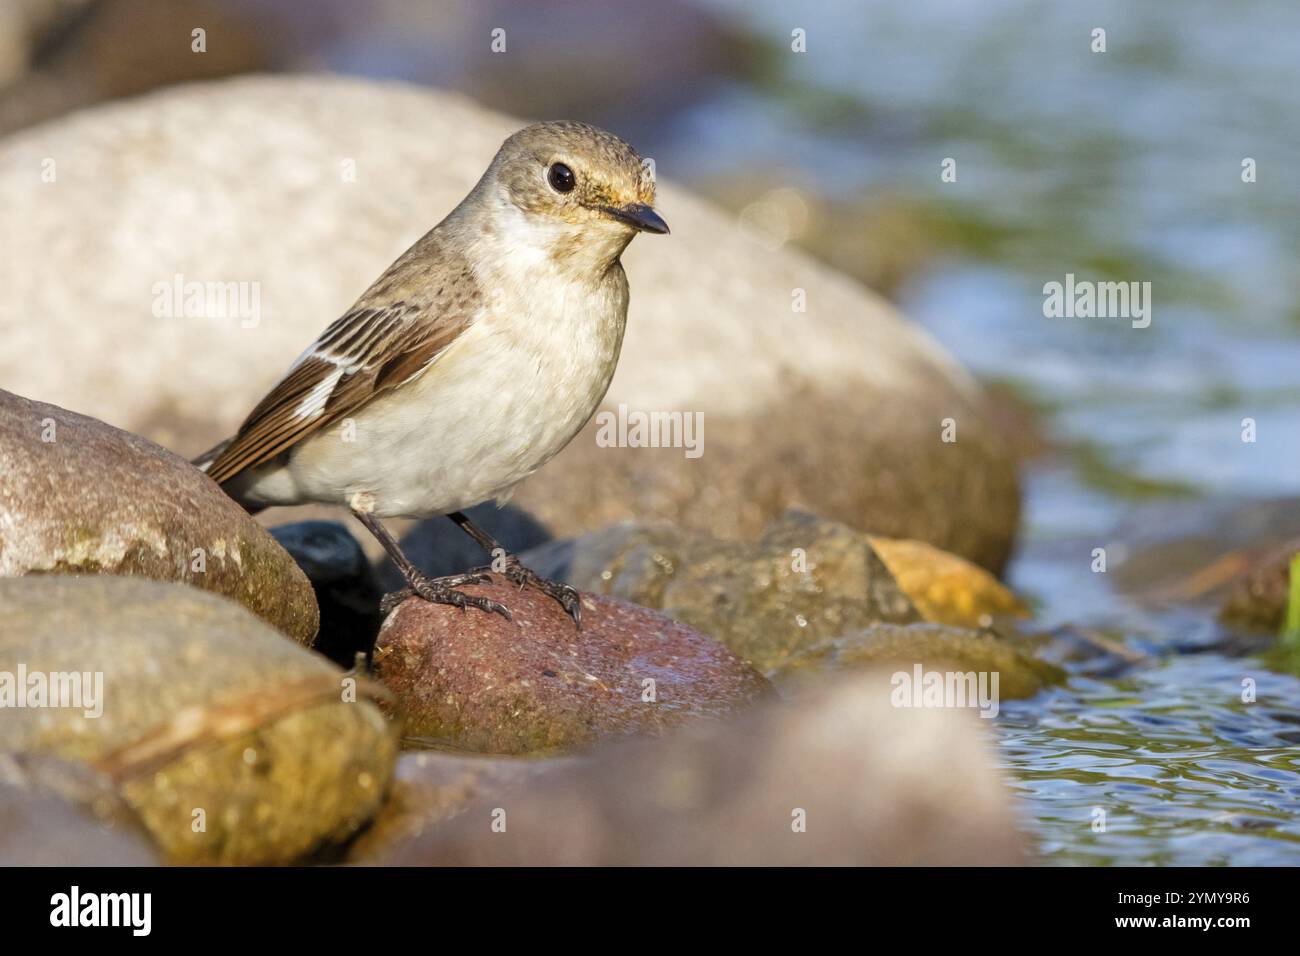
[1117, 166]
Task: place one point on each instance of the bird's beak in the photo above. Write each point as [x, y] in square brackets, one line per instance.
[640, 216]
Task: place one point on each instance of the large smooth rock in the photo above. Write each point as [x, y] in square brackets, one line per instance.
[430, 787]
[232, 744]
[59, 813]
[804, 580]
[871, 784]
[81, 497]
[537, 683]
[839, 408]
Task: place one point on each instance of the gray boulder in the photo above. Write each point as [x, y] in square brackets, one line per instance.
[81, 497]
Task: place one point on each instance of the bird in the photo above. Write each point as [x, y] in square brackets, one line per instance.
[468, 364]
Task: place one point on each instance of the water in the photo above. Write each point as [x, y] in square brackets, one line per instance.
[1117, 166]
[1184, 772]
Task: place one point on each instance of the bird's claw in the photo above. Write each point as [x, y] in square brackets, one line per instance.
[564, 595]
[443, 591]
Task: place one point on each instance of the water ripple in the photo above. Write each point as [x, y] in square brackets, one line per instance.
[1174, 766]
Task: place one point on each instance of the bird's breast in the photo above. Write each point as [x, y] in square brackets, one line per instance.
[505, 397]
[558, 345]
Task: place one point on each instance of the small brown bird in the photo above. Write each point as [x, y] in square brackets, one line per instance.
[471, 362]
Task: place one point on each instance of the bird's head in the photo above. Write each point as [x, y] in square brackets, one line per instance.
[575, 189]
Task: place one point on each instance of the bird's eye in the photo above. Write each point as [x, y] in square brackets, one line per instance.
[561, 178]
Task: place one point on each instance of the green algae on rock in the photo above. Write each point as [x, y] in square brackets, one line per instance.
[1260, 596]
[231, 744]
[537, 683]
[81, 497]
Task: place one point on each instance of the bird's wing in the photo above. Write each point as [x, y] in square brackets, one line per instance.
[363, 354]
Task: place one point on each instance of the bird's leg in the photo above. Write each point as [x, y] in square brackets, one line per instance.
[566, 596]
[438, 590]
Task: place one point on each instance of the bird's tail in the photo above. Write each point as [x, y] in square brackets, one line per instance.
[204, 461]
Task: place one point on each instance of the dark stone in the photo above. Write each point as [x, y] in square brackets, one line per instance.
[347, 591]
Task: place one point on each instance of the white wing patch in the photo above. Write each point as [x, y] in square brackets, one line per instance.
[358, 332]
[314, 402]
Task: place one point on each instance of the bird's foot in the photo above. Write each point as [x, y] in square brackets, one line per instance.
[566, 596]
[443, 591]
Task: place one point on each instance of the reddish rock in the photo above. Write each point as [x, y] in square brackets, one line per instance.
[539, 683]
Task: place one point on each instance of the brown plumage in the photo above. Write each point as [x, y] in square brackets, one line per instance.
[374, 347]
